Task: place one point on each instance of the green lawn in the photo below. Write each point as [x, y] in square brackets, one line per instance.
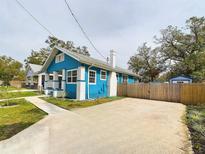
[6, 95]
[70, 104]
[196, 123]
[15, 118]
[8, 88]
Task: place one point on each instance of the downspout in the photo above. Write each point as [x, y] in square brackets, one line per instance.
[88, 82]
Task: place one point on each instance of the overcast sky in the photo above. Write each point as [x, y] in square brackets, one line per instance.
[122, 25]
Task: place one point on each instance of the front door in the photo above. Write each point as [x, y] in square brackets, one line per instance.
[60, 82]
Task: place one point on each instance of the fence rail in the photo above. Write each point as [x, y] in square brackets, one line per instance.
[182, 93]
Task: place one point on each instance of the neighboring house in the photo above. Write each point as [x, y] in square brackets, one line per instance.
[82, 77]
[181, 79]
[32, 74]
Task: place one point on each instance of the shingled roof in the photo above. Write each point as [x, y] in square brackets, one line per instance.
[35, 68]
[87, 60]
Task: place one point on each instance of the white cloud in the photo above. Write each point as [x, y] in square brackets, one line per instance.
[122, 25]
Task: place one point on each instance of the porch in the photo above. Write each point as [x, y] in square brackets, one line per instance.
[54, 83]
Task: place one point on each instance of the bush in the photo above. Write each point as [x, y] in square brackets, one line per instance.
[196, 124]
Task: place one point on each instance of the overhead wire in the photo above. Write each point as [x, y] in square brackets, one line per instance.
[73, 15]
[83, 31]
[34, 18]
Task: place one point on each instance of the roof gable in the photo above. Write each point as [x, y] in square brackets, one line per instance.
[67, 63]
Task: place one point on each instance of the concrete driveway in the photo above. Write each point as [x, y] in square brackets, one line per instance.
[126, 126]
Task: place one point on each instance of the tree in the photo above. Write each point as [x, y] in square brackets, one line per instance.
[185, 50]
[10, 69]
[146, 63]
[21, 75]
[39, 57]
[52, 41]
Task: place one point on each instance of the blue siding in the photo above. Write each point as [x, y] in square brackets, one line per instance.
[119, 79]
[130, 79]
[100, 88]
[71, 90]
[68, 64]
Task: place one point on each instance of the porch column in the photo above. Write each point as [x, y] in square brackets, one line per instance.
[63, 80]
[27, 81]
[31, 81]
[112, 87]
[46, 80]
[55, 80]
[40, 82]
[81, 83]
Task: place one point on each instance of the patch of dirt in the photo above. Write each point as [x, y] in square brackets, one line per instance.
[9, 106]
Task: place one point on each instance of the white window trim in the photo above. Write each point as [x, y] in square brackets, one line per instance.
[101, 74]
[89, 77]
[67, 76]
[61, 54]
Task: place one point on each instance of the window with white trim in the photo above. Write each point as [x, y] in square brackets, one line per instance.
[103, 75]
[72, 76]
[59, 58]
[92, 77]
[124, 79]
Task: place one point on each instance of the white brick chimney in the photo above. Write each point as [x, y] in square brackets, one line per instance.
[112, 89]
[113, 58]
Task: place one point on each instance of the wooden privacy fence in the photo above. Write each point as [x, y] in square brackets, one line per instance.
[181, 93]
[17, 83]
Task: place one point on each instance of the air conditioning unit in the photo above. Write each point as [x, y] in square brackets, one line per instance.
[48, 92]
[59, 93]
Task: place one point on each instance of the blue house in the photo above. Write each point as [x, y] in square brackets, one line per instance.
[82, 77]
[181, 79]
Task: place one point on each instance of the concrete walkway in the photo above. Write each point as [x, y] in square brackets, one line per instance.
[45, 106]
[127, 126]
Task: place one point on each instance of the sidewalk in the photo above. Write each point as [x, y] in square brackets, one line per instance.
[22, 90]
[7, 99]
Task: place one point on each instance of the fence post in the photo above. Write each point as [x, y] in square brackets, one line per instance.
[149, 90]
[180, 93]
[126, 89]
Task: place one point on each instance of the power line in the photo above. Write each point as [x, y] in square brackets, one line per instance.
[44, 27]
[83, 31]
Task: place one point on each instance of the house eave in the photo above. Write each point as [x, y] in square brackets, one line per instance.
[81, 60]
